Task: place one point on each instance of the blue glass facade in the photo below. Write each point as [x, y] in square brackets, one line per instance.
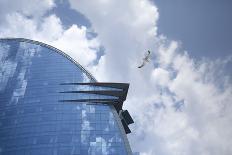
[34, 122]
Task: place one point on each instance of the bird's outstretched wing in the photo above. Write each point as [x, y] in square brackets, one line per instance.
[142, 65]
[147, 54]
[145, 59]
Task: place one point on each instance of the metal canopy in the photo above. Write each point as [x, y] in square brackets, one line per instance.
[120, 93]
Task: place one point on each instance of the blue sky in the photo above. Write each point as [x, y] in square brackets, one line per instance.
[182, 98]
[204, 27]
[69, 16]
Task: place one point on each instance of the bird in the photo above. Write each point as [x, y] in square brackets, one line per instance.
[145, 59]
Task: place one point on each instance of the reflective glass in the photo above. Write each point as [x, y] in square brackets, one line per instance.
[33, 121]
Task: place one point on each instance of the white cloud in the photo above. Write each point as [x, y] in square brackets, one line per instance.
[166, 53]
[74, 40]
[32, 8]
[49, 29]
[177, 108]
[160, 76]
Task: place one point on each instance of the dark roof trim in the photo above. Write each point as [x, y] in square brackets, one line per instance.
[92, 100]
[124, 115]
[115, 93]
[102, 84]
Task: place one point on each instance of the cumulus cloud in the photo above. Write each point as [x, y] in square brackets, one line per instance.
[160, 76]
[75, 40]
[177, 109]
[28, 21]
[34, 8]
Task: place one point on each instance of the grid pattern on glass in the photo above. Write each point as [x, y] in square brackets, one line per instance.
[32, 121]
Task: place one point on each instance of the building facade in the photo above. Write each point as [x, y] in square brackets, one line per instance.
[50, 105]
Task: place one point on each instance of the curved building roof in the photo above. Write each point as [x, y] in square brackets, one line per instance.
[55, 50]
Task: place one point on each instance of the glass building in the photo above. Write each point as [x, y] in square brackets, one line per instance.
[50, 105]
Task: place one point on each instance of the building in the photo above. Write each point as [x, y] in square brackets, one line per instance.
[50, 105]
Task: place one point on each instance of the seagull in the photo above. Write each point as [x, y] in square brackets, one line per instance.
[145, 59]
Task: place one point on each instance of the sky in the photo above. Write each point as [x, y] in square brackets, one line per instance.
[181, 100]
[202, 26]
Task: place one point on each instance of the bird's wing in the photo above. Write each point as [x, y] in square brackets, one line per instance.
[147, 55]
[142, 65]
